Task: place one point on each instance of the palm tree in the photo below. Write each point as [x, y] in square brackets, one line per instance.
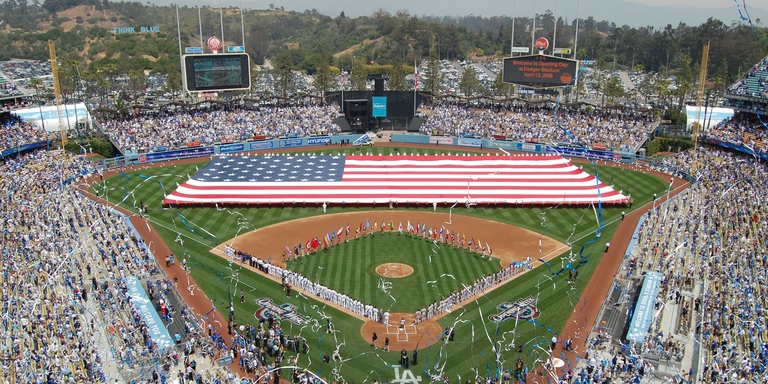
[37, 84]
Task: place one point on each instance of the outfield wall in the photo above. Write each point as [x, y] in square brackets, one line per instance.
[160, 154]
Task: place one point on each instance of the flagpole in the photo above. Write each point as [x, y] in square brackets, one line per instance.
[576, 38]
[221, 19]
[554, 34]
[533, 30]
[512, 42]
[415, 85]
[342, 90]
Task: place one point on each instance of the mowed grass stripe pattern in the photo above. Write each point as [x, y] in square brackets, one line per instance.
[350, 268]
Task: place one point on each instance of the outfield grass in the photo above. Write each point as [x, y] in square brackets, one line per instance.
[190, 233]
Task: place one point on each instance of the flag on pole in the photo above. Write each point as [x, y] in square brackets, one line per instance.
[348, 229]
[400, 228]
[367, 223]
[340, 231]
[490, 251]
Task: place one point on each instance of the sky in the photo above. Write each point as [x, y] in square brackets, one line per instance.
[635, 13]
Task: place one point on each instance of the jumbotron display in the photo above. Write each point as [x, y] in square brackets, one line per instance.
[539, 71]
[218, 72]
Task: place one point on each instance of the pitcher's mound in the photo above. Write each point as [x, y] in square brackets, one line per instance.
[394, 270]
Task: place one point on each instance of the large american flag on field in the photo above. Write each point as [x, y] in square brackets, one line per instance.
[543, 179]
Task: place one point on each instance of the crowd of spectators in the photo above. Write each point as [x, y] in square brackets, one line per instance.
[709, 243]
[66, 313]
[606, 129]
[754, 83]
[260, 348]
[14, 132]
[143, 133]
[743, 129]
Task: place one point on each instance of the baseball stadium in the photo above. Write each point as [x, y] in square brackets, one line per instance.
[502, 241]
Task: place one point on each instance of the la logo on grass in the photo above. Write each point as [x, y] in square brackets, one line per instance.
[407, 378]
[283, 312]
[522, 309]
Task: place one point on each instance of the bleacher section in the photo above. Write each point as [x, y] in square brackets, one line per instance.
[750, 92]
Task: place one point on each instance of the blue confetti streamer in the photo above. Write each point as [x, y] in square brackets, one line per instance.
[600, 221]
[747, 19]
[184, 221]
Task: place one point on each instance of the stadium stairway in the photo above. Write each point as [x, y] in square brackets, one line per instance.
[93, 313]
[669, 320]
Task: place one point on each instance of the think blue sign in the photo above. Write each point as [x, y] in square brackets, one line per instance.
[121, 30]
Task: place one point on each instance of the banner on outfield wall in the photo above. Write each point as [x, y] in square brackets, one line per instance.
[440, 140]
[179, 154]
[289, 142]
[467, 142]
[144, 306]
[318, 140]
[230, 148]
[528, 147]
[579, 152]
[261, 145]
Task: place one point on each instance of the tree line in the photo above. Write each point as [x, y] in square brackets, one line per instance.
[324, 45]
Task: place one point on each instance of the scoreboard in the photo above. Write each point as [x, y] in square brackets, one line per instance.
[216, 72]
[539, 71]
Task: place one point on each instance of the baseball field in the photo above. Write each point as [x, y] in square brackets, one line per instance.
[397, 272]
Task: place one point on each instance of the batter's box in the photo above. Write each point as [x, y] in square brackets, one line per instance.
[396, 330]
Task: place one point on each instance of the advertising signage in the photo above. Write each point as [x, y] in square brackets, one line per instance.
[379, 108]
[539, 71]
